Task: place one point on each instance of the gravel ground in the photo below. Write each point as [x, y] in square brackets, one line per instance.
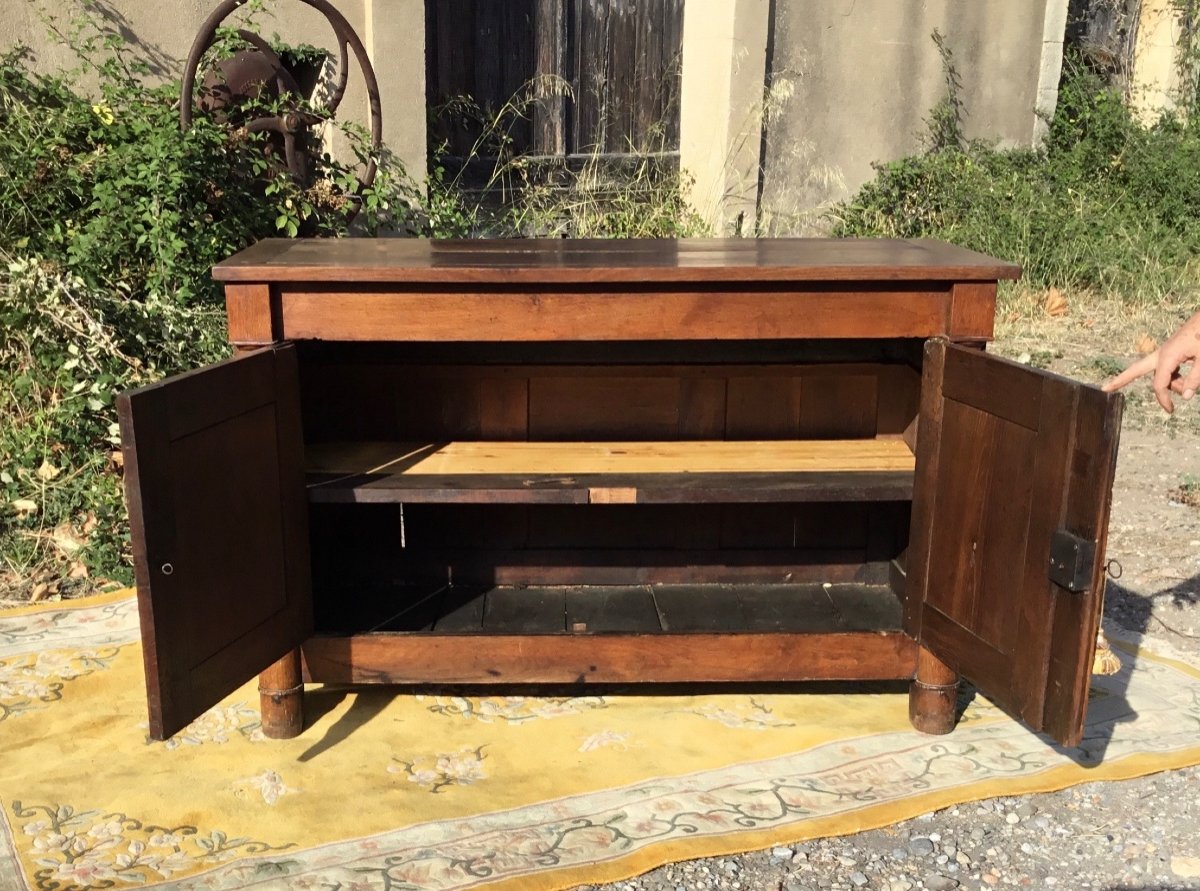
[1142, 833]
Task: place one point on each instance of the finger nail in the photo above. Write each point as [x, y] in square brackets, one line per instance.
[1188, 394]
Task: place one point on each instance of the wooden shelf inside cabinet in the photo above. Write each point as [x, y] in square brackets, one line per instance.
[611, 472]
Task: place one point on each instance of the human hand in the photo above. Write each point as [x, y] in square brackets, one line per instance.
[1180, 348]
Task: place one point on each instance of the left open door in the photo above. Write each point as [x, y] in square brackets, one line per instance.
[214, 481]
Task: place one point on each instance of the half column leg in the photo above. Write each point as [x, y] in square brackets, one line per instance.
[933, 695]
[281, 698]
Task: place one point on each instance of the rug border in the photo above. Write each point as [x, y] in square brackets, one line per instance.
[91, 600]
[869, 817]
[9, 856]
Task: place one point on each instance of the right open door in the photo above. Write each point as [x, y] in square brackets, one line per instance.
[1010, 516]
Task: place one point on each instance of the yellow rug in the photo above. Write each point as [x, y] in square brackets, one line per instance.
[442, 791]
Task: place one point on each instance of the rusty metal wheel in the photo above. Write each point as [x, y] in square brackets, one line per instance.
[292, 124]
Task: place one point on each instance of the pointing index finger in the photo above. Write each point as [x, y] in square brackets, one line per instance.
[1142, 366]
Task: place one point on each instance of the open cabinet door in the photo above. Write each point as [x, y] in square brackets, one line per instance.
[214, 481]
[1010, 516]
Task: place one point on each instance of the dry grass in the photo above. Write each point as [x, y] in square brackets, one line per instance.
[1091, 342]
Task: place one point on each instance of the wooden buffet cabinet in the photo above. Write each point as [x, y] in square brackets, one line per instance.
[574, 462]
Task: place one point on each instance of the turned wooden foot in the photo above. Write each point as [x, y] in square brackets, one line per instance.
[933, 695]
[1105, 661]
[281, 698]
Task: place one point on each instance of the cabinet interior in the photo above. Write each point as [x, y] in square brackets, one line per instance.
[609, 488]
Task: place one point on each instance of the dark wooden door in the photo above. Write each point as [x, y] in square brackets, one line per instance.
[605, 77]
[214, 480]
[1014, 467]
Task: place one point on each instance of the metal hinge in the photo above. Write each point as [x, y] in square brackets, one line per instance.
[1072, 561]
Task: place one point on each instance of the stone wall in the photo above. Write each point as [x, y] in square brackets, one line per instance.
[854, 80]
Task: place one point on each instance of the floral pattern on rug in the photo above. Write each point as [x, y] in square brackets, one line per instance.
[216, 726]
[837, 778]
[83, 849]
[750, 715]
[268, 785]
[34, 680]
[611, 824]
[438, 772]
[511, 709]
[615, 738]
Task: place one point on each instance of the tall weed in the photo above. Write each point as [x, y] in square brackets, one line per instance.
[497, 190]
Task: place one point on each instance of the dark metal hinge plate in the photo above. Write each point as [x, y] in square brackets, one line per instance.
[1072, 561]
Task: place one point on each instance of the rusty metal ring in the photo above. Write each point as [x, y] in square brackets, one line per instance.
[347, 40]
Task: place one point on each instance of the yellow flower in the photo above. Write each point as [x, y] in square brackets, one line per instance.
[104, 113]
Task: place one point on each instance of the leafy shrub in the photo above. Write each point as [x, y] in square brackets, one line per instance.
[65, 349]
[1106, 204]
[105, 184]
[111, 190]
[110, 220]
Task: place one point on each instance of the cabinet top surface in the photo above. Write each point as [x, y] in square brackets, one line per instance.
[556, 260]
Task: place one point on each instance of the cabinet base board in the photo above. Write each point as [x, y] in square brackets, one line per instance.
[390, 658]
